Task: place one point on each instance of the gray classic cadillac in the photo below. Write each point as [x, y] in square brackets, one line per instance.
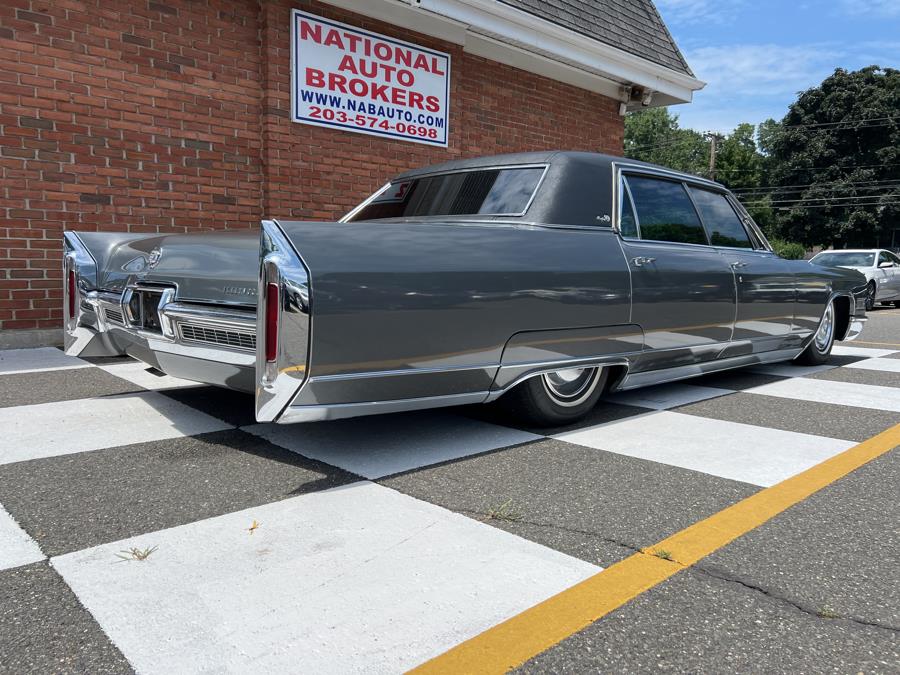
[540, 279]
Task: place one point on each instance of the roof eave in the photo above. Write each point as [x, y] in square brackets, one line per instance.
[512, 36]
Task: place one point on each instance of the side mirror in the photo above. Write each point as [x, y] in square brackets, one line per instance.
[885, 264]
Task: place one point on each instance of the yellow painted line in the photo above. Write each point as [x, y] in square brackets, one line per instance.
[884, 344]
[524, 636]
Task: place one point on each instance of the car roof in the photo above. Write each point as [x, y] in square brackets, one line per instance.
[553, 157]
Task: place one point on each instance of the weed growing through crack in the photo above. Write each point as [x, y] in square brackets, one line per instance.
[825, 612]
[662, 553]
[503, 512]
[135, 553]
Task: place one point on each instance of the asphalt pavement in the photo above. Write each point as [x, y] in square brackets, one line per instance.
[148, 524]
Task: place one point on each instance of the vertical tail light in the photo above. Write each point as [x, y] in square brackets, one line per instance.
[271, 322]
[72, 294]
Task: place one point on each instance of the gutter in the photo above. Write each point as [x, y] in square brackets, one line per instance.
[502, 33]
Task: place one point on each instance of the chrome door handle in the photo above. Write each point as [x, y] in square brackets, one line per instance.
[641, 260]
[738, 264]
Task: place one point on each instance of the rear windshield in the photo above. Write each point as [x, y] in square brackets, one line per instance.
[488, 192]
[845, 259]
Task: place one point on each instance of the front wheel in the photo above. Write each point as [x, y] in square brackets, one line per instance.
[560, 397]
[819, 348]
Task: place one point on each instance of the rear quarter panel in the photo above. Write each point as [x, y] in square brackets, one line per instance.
[438, 301]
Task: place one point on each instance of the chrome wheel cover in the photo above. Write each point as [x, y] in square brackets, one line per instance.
[572, 386]
[825, 333]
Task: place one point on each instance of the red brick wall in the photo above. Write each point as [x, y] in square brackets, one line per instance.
[171, 116]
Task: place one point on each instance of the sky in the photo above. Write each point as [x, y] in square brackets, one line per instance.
[756, 55]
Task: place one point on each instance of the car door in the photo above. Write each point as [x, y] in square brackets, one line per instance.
[765, 283]
[887, 278]
[682, 289]
[895, 273]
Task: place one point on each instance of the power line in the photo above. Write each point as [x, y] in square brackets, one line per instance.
[861, 185]
[829, 124]
[863, 124]
[829, 199]
[827, 182]
[870, 200]
[662, 144]
[818, 168]
[831, 206]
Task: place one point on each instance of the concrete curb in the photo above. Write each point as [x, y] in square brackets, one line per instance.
[22, 339]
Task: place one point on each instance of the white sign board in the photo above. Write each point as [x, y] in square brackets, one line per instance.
[351, 79]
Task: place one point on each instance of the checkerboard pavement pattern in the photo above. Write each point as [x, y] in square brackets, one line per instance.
[370, 544]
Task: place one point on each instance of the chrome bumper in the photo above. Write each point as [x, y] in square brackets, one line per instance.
[857, 315]
[215, 345]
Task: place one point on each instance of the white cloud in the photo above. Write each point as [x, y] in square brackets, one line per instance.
[697, 11]
[888, 8]
[764, 70]
[752, 82]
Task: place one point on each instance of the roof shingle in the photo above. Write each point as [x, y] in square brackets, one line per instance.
[634, 26]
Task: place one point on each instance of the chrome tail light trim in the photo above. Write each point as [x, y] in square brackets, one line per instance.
[278, 380]
[80, 319]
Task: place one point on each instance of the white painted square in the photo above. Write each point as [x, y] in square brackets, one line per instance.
[67, 427]
[885, 365]
[846, 350]
[13, 361]
[789, 369]
[742, 452]
[16, 547]
[138, 373]
[838, 393]
[383, 445]
[666, 396]
[354, 579]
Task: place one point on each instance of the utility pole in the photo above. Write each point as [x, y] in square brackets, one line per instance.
[713, 138]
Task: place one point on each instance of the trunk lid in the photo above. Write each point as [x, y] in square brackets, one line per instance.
[210, 267]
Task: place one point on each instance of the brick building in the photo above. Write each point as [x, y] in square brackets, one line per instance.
[176, 115]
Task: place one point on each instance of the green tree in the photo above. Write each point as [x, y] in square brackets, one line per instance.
[835, 161]
[653, 135]
[741, 167]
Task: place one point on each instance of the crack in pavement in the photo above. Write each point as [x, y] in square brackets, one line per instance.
[554, 526]
[708, 571]
[731, 578]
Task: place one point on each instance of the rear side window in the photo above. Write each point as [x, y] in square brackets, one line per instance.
[665, 211]
[489, 192]
[722, 223]
[627, 221]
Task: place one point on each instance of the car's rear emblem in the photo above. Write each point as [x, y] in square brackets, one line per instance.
[239, 290]
[153, 259]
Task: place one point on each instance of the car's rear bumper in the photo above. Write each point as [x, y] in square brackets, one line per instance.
[195, 342]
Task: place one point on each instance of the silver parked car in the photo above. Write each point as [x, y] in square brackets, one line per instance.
[540, 279]
[881, 268]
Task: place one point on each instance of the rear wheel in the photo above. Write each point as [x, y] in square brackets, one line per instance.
[819, 348]
[560, 397]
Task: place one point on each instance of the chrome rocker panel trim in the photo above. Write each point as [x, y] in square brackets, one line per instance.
[319, 413]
